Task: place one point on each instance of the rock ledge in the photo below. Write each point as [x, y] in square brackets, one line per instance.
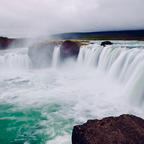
[125, 129]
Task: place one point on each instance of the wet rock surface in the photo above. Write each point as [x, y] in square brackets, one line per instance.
[69, 49]
[125, 129]
[41, 54]
[104, 43]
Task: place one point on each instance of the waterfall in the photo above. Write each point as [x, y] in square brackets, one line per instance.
[124, 64]
[14, 59]
[118, 62]
[51, 93]
[19, 59]
[121, 62]
[56, 56]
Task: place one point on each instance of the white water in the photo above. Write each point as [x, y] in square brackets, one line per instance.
[124, 64]
[14, 59]
[56, 56]
[102, 82]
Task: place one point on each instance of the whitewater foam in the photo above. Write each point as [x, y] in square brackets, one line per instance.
[104, 81]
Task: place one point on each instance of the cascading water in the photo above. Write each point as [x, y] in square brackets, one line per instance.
[14, 58]
[56, 56]
[126, 65]
[42, 105]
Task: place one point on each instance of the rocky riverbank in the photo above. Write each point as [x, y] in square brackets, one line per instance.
[125, 129]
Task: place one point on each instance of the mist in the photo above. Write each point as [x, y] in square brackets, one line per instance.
[31, 18]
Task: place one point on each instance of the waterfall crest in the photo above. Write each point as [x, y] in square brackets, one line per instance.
[15, 59]
[123, 63]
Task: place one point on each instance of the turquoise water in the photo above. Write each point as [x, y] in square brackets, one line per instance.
[41, 106]
[32, 125]
[27, 118]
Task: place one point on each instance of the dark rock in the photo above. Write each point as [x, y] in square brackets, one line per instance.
[125, 129]
[69, 49]
[5, 42]
[11, 42]
[41, 54]
[106, 43]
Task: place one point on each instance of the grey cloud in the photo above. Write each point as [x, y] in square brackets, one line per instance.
[40, 17]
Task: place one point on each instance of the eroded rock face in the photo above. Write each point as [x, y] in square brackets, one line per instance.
[69, 49]
[125, 129]
[106, 43]
[41, 54]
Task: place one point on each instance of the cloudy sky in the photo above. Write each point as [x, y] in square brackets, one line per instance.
[21, 18]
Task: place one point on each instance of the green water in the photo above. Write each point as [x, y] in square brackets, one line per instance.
[32, 125]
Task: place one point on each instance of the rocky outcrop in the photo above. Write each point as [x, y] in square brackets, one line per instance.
[5, 42]
[106, 43]
[69, 49]
[125, 129]
[11, 42]
[41, 54]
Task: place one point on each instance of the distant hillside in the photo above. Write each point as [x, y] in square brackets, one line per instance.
[107, 35]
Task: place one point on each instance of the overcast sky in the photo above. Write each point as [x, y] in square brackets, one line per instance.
[21, 18]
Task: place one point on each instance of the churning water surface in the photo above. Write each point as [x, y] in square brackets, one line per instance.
[41, 106]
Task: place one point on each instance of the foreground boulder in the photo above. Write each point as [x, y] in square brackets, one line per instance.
[106, 43]
[69, 49]
[125, 129]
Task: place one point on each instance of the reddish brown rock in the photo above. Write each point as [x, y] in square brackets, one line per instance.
[125, 129]
[69, 49]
